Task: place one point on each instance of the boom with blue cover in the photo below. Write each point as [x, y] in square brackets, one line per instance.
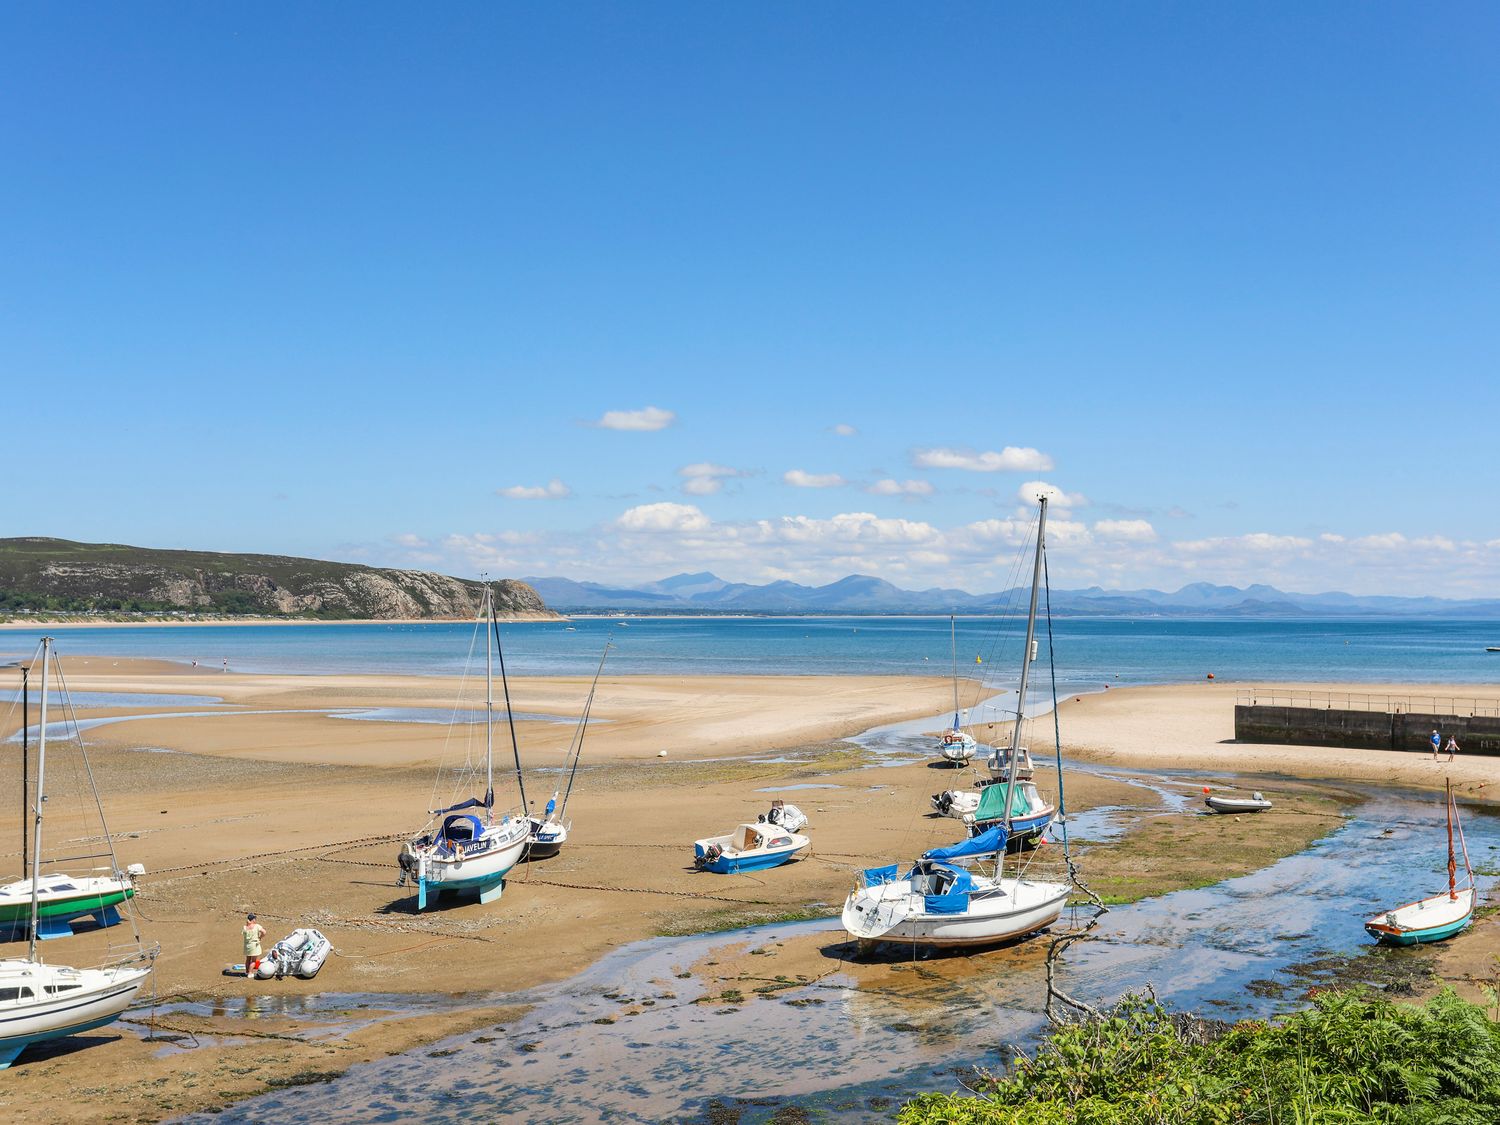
[989, 842]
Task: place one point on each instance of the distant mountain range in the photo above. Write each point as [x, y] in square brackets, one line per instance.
[860, 593]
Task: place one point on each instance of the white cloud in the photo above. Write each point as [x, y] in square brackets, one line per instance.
[890, 487]
[647, 418]
[407, 539]
[843, 429]
[1388, 541]
[704, 478]
[1010, 459]
[1259, 541]
[847, 527]
[1033, 490]
[801, 479]
[665, 516]
[1125, 531]
[552, 490]
[1435, 543]
[1331, 537]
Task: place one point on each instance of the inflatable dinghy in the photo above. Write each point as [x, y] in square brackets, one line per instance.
[1237, 804]
[300, 955]
[785, 816]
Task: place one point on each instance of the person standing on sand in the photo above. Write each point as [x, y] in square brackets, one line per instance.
[1452, 747]
[1437, 742]
[254, 933]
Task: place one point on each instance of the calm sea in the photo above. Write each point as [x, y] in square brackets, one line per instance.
[1088, 650]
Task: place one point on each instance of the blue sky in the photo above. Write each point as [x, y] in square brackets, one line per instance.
[773, 290]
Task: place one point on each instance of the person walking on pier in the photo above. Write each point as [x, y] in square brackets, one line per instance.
[1437, 742]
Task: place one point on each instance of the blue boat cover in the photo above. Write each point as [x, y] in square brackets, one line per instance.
[875, 876]
[954, 902]
[476, 829]
[988, 842]
[487, 802]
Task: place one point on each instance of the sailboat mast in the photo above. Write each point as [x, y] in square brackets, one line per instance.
[583, 726]
[25, 762]
[41, 779]
[953, 644]
[489, 716]
[1015, 737]
[1452, 862]
[510, 717]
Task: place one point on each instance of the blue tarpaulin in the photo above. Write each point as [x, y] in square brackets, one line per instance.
[954, 902]
[987, 843]
[875, 876]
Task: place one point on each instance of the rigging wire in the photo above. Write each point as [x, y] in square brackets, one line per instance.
[1054, 951]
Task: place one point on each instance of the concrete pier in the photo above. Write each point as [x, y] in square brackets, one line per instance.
[1367, 722]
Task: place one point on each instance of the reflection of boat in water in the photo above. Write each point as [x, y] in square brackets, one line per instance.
[1440, 916]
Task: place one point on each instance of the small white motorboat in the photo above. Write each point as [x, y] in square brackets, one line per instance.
[783, 815]
[750, 847]
[300, 954]
[999, 763]
[1257, 803]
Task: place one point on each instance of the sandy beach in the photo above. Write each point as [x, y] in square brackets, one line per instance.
[274, 805]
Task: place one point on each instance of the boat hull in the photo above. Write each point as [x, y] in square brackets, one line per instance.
[478, 870]
[63, 905]
[100, 999]
[733, 864]
[893, 913]
[1432, 919]
[1235, 805]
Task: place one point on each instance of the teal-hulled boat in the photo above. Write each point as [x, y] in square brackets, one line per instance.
[1440, 916]
[63, 898]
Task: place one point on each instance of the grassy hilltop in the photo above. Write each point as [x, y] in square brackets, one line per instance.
[49, 576]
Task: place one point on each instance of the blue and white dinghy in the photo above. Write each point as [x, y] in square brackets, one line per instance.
[750, 847]
[941, 903]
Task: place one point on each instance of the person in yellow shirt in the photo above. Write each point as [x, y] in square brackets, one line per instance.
[254, 933]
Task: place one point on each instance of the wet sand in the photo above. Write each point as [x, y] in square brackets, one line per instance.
[299, 816]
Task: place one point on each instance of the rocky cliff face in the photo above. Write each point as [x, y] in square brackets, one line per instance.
[58, 574]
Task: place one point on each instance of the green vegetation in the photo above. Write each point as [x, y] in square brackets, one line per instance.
[1353, 1058]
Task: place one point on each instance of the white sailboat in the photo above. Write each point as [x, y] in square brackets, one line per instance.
[1438, 916]
[956, 744]
[940, 902]
[41, 1002]
[464, 853]
[549, 832]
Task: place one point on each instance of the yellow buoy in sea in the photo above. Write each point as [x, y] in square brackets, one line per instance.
[977, 660]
